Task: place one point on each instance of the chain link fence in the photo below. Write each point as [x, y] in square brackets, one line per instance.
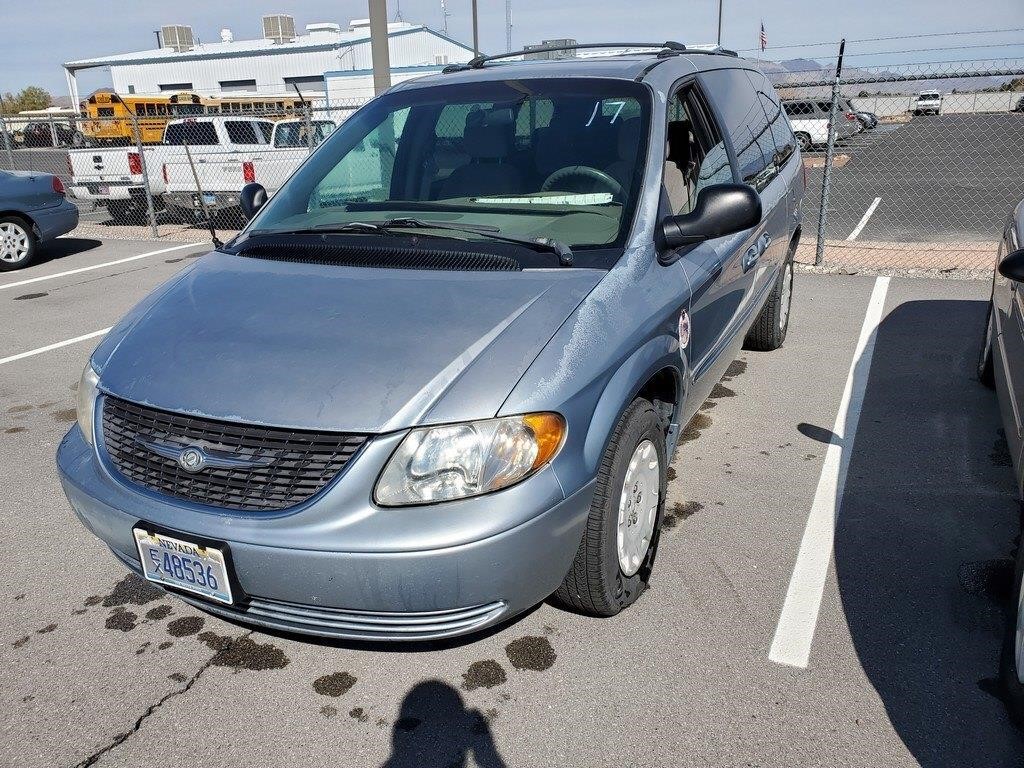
[174, 177]
[927, 162]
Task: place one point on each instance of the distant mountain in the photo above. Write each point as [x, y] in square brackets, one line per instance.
[801, 65]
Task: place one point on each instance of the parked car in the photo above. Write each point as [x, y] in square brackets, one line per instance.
[413, 399]
[33, 209]
[1000, 367]
[809, 120]
[43, 133]
[1019, 106]
[113, 178]
[928, 103]
[867, 120]
[228, 153]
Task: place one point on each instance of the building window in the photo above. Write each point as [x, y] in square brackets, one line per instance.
[440, 58]
[131, 89]
[237, 85]
[174, 87]
[306, 83]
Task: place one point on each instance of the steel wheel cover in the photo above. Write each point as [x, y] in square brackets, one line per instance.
[638, 507]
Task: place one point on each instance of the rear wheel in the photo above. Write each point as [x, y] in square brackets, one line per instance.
[17, 243]
[769, 329]
[1011, 665]
[615, 557]
[986, 368]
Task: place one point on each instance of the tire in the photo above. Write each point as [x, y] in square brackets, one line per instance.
[18, 243]
[768, 332]
[123, 211]
[1011, 663]
[986, 367]
[804, 140]
[597, 583]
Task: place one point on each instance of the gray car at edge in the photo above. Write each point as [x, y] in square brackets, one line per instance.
[440, 375]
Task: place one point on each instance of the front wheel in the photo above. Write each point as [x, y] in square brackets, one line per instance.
[986, 368]
[17, 243]
[615, 557]
[769, 329]
[804, 140]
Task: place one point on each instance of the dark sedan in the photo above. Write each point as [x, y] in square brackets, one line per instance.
[1001, 366]
[33, 209]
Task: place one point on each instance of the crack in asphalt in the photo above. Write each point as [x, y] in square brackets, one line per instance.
[121, 738]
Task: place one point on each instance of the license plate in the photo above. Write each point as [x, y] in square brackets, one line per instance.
[183, 564]
[102, 190]
[209, 199]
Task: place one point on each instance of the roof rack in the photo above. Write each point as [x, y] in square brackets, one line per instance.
[661, 50]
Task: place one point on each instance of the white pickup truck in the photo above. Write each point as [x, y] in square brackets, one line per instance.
[113, 178]
[226, 153]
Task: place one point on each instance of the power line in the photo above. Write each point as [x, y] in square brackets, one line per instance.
[833, 43]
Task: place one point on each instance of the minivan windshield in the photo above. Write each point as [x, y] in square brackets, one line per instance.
[540, 158]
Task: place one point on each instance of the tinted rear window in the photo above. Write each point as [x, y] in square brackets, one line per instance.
[193, 134]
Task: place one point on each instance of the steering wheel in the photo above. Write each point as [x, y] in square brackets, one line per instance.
[582, 172]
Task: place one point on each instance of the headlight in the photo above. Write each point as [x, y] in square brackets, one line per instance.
[461, 460]
[87, 393]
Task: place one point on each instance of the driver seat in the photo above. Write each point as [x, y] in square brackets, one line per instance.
[489, 145]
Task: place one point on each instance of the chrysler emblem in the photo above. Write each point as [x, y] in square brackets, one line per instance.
[192, 460]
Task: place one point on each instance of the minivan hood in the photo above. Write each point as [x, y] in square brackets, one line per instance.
[324, 347]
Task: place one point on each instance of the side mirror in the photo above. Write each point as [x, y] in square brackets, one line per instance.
[1012, 266]
[721, 209]
[252, 197]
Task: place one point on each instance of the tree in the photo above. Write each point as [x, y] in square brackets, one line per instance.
[32, 97]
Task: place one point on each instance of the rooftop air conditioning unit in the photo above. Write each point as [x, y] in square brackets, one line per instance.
[279, 27]
[177, 37]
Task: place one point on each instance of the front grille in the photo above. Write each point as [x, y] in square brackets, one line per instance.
[293, 464]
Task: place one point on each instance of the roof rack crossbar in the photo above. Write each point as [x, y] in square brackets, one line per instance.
[667, 48]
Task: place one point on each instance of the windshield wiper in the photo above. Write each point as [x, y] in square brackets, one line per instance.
[543, 244]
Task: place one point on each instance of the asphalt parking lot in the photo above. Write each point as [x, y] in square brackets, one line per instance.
[100, 669]
[941, 178]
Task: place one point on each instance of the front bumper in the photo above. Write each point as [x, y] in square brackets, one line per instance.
[390, 593]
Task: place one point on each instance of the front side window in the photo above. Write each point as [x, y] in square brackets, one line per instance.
[695, 154]
[296, 134]
[555, 158]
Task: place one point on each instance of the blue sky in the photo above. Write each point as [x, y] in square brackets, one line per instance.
[50, 32]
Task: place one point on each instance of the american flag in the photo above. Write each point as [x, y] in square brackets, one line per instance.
[764, 38]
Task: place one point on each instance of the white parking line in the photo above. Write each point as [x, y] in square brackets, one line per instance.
[99, 266]
[48, 347]
[799, 618]
[864, 219]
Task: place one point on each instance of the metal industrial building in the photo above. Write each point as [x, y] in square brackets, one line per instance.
[275, 63]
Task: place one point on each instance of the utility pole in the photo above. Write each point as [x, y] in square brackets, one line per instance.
[379, 46]
[508, 26]
[476, 32]
[720, 22]
[444, 17]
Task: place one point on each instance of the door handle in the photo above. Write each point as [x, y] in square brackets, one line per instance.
[763, 242]
[751, 256]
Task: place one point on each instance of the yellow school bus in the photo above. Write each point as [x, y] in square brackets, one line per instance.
[109, 118]
[187, 103]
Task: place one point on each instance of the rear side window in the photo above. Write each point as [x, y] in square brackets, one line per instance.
[798, 108]
[192, 133]
[782, 135]
[745, 121]
[241, 132]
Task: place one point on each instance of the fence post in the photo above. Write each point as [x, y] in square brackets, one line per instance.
[7, 143]
[819, 253]
[150, 207]
[309, 127]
